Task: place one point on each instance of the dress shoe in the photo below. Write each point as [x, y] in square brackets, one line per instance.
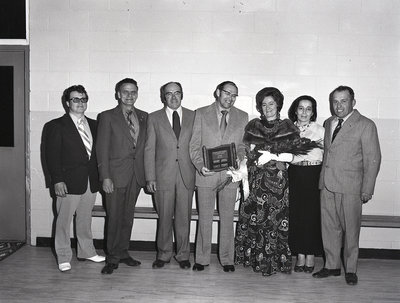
[198, 267]
[159, 263]
[130, 261]
[109, 268]
[308, 269]
[324, 273]
[228, 268]
[95, 258]
[64, 266]
[185, 264]
[299, 268]
[351, 278]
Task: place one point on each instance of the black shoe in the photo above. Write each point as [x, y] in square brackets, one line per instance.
[198, 267]
[351, 278]
[324, 273]
[109, 268]
[159, 263]
[307, 269]
[228, 268]
[299, 268]
[130, 261]
[185, 264]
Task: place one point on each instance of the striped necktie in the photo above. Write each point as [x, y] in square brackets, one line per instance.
[337, 128]
[131, 125]
[85, 137]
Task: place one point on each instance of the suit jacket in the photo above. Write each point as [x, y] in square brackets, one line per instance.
[351, 163]
[163, 150]
[117, 155]
[66, 157]
[206, 132]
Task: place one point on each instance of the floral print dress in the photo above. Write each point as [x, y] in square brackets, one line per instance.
[262, 231]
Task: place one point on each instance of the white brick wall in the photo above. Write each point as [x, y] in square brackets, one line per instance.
[299, 46]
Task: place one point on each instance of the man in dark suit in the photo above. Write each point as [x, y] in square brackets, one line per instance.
[121, 133]
[351, 164]
[214, 125]
[170, 174]
[71, 161]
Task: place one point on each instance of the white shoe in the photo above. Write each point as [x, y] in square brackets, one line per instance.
[64, 266]
[97, 259]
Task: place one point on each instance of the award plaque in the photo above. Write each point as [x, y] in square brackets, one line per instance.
[220, 158]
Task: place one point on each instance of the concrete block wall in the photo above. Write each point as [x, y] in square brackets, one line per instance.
[300, 46]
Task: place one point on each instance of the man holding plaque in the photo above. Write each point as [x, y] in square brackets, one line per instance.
[170, 174]
[215, 128]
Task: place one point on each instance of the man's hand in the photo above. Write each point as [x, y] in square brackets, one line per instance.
[206, 172]
[60, 189]
[151, 186]
[108, 186]
[365, 197]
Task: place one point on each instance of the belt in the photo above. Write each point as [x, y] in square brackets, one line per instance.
[307, 163]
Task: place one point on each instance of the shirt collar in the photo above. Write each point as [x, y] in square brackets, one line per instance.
[171, 111]
[76, 119]
[345, 118]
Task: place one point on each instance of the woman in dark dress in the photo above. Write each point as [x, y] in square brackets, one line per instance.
[262, 231]
[305, 220]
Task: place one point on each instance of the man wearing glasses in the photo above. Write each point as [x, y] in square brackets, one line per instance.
[217, 124]
[170, 174]
[71, 161]
[120, 148]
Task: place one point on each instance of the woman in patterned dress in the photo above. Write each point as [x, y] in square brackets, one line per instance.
[262, 231]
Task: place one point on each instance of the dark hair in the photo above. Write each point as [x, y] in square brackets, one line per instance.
[266, 92]
[295, 104]
[67, 93]
[222, 85]
[122, 82]
[342, 88]
[162, 90]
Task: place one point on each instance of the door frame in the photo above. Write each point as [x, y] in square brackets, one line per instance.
[25, 50]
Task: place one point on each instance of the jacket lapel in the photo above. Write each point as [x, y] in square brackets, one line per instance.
[347, 127]
[211, 118]
[71, 129]
[120, 120]
[166, 125]
[142, 126]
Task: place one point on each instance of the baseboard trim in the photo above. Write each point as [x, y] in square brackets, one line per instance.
[365, 253]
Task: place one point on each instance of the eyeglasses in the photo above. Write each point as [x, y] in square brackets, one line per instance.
[229, 94]
[176, 94]
[77, 100]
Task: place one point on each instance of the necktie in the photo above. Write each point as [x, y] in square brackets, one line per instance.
[131, 125]
[176, 125]
[85, 136]
[223, 123]
[337, 128]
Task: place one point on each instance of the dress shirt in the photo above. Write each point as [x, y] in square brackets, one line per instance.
[169, 113]
[219, 115]
[336, 121]
[85, 125]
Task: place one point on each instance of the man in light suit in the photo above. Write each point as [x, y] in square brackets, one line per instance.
[71, 161]
[120, 148]
[170, 174]
[351, 164]
[214, 125]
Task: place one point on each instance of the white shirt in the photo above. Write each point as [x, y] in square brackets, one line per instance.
[170, 112]
[85, 125]
[314, 132]
[336, 121]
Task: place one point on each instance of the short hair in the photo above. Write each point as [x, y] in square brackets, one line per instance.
[162, 90]
[269, 92]
[122, 82]
[67, 93]
[342, 88]
[295, 104]
[75, 88]
[222, 85]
